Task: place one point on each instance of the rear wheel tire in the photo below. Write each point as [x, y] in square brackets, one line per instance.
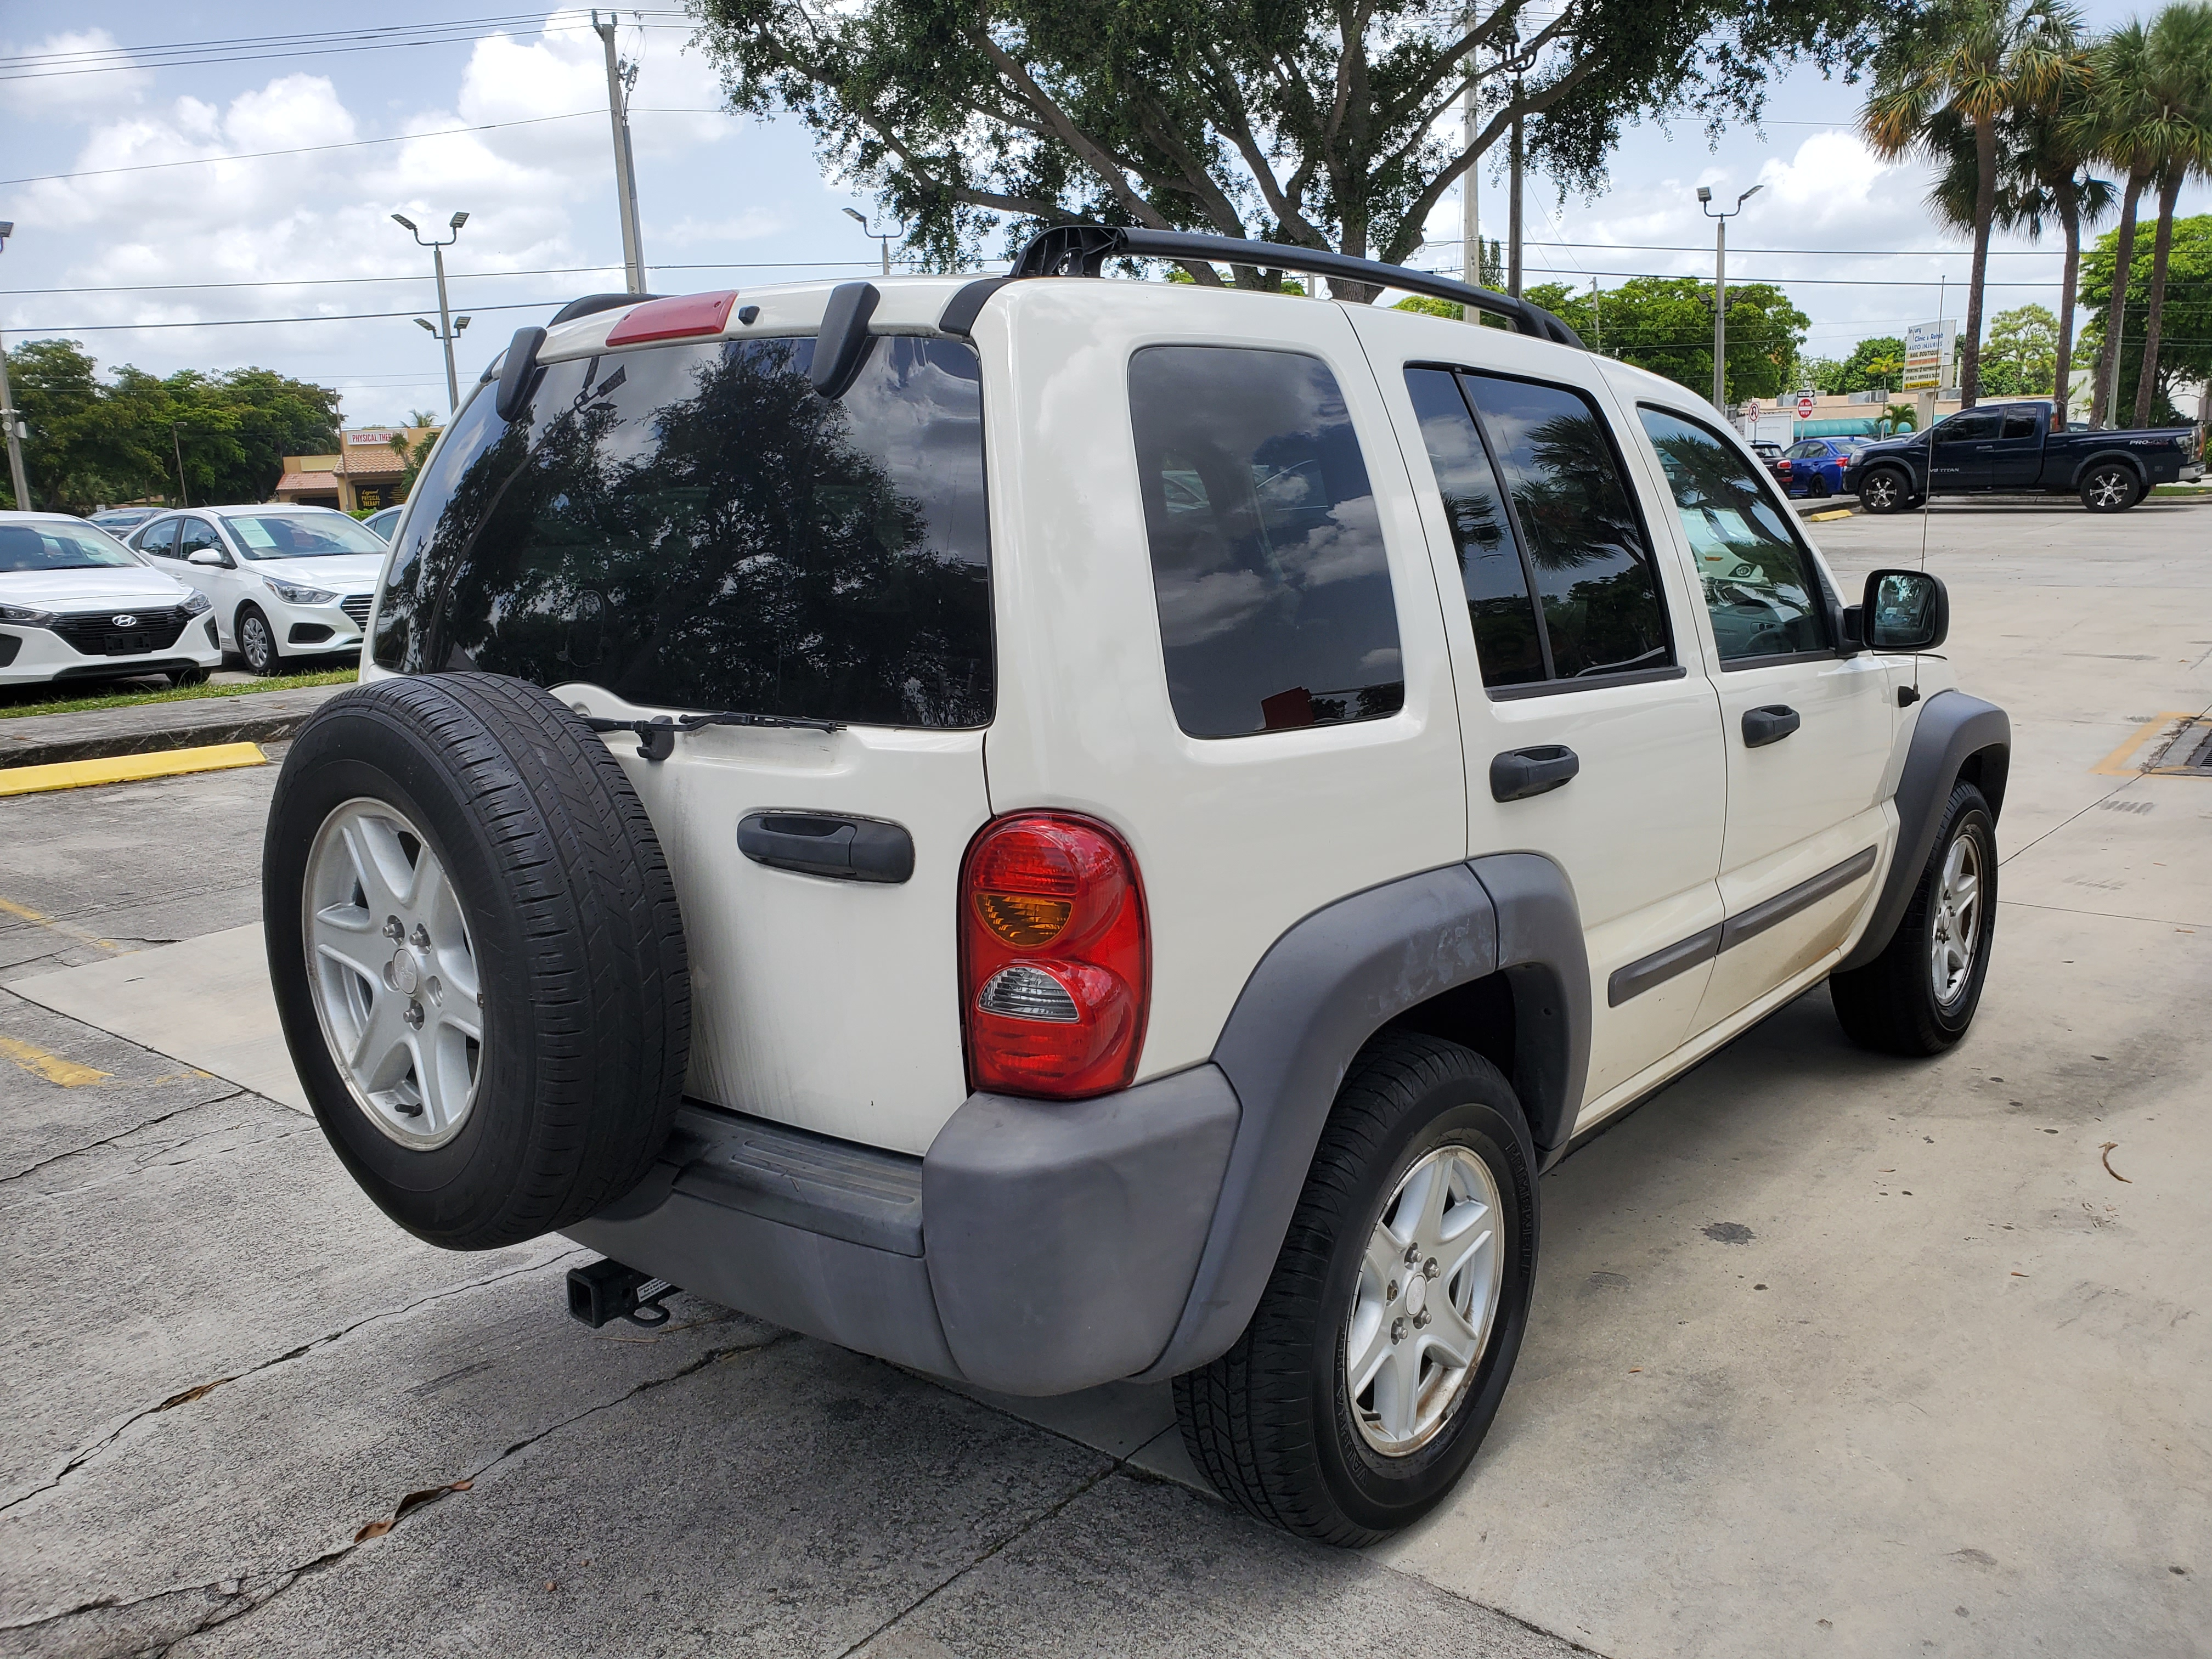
[1918, 996]
[1884, 489]
[477, 954]
[1367, 1377]
[256, 642]
[2110, 488]
[1818, 489]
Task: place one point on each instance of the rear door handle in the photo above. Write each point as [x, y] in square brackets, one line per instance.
[1520, 773]
[831, 844]
[1770, 724]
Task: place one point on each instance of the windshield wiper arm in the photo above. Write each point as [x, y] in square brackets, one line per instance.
[656, 737]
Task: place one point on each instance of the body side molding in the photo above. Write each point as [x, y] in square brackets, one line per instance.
[1952, 728]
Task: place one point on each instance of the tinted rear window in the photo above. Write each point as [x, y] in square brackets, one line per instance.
[694, 527]
[1267, 560]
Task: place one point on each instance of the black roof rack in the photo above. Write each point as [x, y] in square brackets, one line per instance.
[1082, 250]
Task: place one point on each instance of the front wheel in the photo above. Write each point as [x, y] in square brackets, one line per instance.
[1382, 1346]
[1884, 490]
[256, 642]
[1920, 995]
[1818, 489]
[2110, 489]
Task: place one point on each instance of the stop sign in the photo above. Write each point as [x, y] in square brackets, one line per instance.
[1805, 406]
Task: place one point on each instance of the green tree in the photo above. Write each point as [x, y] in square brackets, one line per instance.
[1874, 365]
[77, 456]
[2185, 353]
[1665, 323]
[1972, 62]
[2021, 358]
[2179, 138]
[1313, 122]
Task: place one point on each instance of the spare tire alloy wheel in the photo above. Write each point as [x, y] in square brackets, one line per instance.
[477, 955]
[2110, 489]
[1882, 490]
[393, 974]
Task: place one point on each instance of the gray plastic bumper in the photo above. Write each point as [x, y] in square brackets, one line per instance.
[1038, 1248]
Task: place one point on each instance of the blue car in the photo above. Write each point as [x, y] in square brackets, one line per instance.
[1816, 464]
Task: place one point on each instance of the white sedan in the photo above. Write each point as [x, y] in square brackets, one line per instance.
[76, 605]
[286, 582]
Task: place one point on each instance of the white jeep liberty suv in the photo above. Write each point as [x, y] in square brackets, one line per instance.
[1053, 829]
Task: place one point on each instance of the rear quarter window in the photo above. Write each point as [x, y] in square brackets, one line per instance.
[694, 527]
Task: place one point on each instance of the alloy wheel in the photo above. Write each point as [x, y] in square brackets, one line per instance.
[1955, 929]
[2109, 488]
[1427, 1295]
[393, 974]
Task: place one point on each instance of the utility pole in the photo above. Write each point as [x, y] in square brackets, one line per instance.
[1720, 286]
[183, 493]
[620, 77]
[1515, 158]
[1470, 218]
[8, 413]
[446, 331]
[1597, 322]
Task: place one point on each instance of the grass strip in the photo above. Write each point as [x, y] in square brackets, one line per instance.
[180, 694]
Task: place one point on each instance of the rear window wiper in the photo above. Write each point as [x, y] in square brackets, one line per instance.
[656, 737]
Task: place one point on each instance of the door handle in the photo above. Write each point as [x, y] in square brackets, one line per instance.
[828, 844]
[1770, 724]
[1520, 773]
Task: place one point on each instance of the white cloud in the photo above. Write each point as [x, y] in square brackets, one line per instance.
[56, 90]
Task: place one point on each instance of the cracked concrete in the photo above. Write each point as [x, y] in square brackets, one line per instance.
[1825, 1348]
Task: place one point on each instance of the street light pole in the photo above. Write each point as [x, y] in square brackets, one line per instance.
[882, 237]
[620, 77]
[1720, 286]
[8, 415]
[446, 331]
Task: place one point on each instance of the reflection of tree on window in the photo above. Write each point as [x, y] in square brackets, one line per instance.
[702, 529]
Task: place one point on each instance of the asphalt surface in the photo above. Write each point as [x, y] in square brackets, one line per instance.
[1830, 1354]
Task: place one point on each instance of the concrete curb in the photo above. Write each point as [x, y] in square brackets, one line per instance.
[250, 717]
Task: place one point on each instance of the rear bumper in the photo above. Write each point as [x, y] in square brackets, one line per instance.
[1037, 1249]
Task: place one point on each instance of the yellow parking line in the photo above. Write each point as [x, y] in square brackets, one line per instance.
[9, 907]
[53, 1067]
[2114, 765]
[128, 769]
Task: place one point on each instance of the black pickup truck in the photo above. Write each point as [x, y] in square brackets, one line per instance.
[2011, 447]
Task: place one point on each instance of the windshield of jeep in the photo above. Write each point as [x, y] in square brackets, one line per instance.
[693, 526]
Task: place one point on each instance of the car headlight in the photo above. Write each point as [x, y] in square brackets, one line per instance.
[293, 593]
[24, 615]
[195, 602]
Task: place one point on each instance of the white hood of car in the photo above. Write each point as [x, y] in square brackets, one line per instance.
[342, 573]
[99, 587]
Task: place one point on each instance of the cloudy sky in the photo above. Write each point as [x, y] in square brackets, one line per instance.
[125, 241]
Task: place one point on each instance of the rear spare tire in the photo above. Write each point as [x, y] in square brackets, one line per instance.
[477, 955]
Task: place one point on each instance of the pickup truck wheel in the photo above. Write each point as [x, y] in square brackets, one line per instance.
[1382, 1344]
[2110, 488]
[1918, 996]
[477, 955]
[1884, 489]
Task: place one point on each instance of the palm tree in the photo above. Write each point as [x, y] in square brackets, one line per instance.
[1978, 61]
[2111, 123]
[2052, 180]
[2180, 136]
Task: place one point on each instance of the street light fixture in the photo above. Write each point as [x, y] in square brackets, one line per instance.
[8, 415]
[1720, 285]
[446, 332]
[883, 237]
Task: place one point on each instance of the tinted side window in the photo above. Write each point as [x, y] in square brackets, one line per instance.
[1586, 548]
[1507, 640]
[1759, 579]
[1967, 428]
[694, 526]
[160, 539]
[198, 533]
[2020, 424]
[1268, 561]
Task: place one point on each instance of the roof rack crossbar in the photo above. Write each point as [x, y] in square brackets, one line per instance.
[1083, 251]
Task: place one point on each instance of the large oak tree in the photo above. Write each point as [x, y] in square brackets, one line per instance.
[1315, 122]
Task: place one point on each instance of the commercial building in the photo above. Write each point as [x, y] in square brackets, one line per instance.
[366, 474]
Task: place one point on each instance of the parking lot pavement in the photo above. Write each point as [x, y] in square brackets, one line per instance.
[1830, 1353]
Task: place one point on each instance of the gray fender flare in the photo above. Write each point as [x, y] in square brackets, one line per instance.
[1326, 987]
[1953, 728]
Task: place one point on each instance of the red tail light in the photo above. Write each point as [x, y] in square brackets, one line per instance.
[1055, 960]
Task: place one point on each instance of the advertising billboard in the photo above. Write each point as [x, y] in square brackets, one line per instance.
[1930, 355]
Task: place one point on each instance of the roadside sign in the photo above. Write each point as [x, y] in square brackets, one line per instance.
[1751, 408]
[1805, 406]
[1930, 349]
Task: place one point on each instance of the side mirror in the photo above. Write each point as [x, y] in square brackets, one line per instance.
[206, 555]
[1905, 611]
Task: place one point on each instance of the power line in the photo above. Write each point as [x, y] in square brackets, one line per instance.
[452, 277]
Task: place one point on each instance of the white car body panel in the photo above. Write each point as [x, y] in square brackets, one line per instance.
[104, 591]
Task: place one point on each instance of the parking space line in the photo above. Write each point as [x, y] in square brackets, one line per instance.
[128, 769]
[24, 912]
[51, 1067]
[2115, 765]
